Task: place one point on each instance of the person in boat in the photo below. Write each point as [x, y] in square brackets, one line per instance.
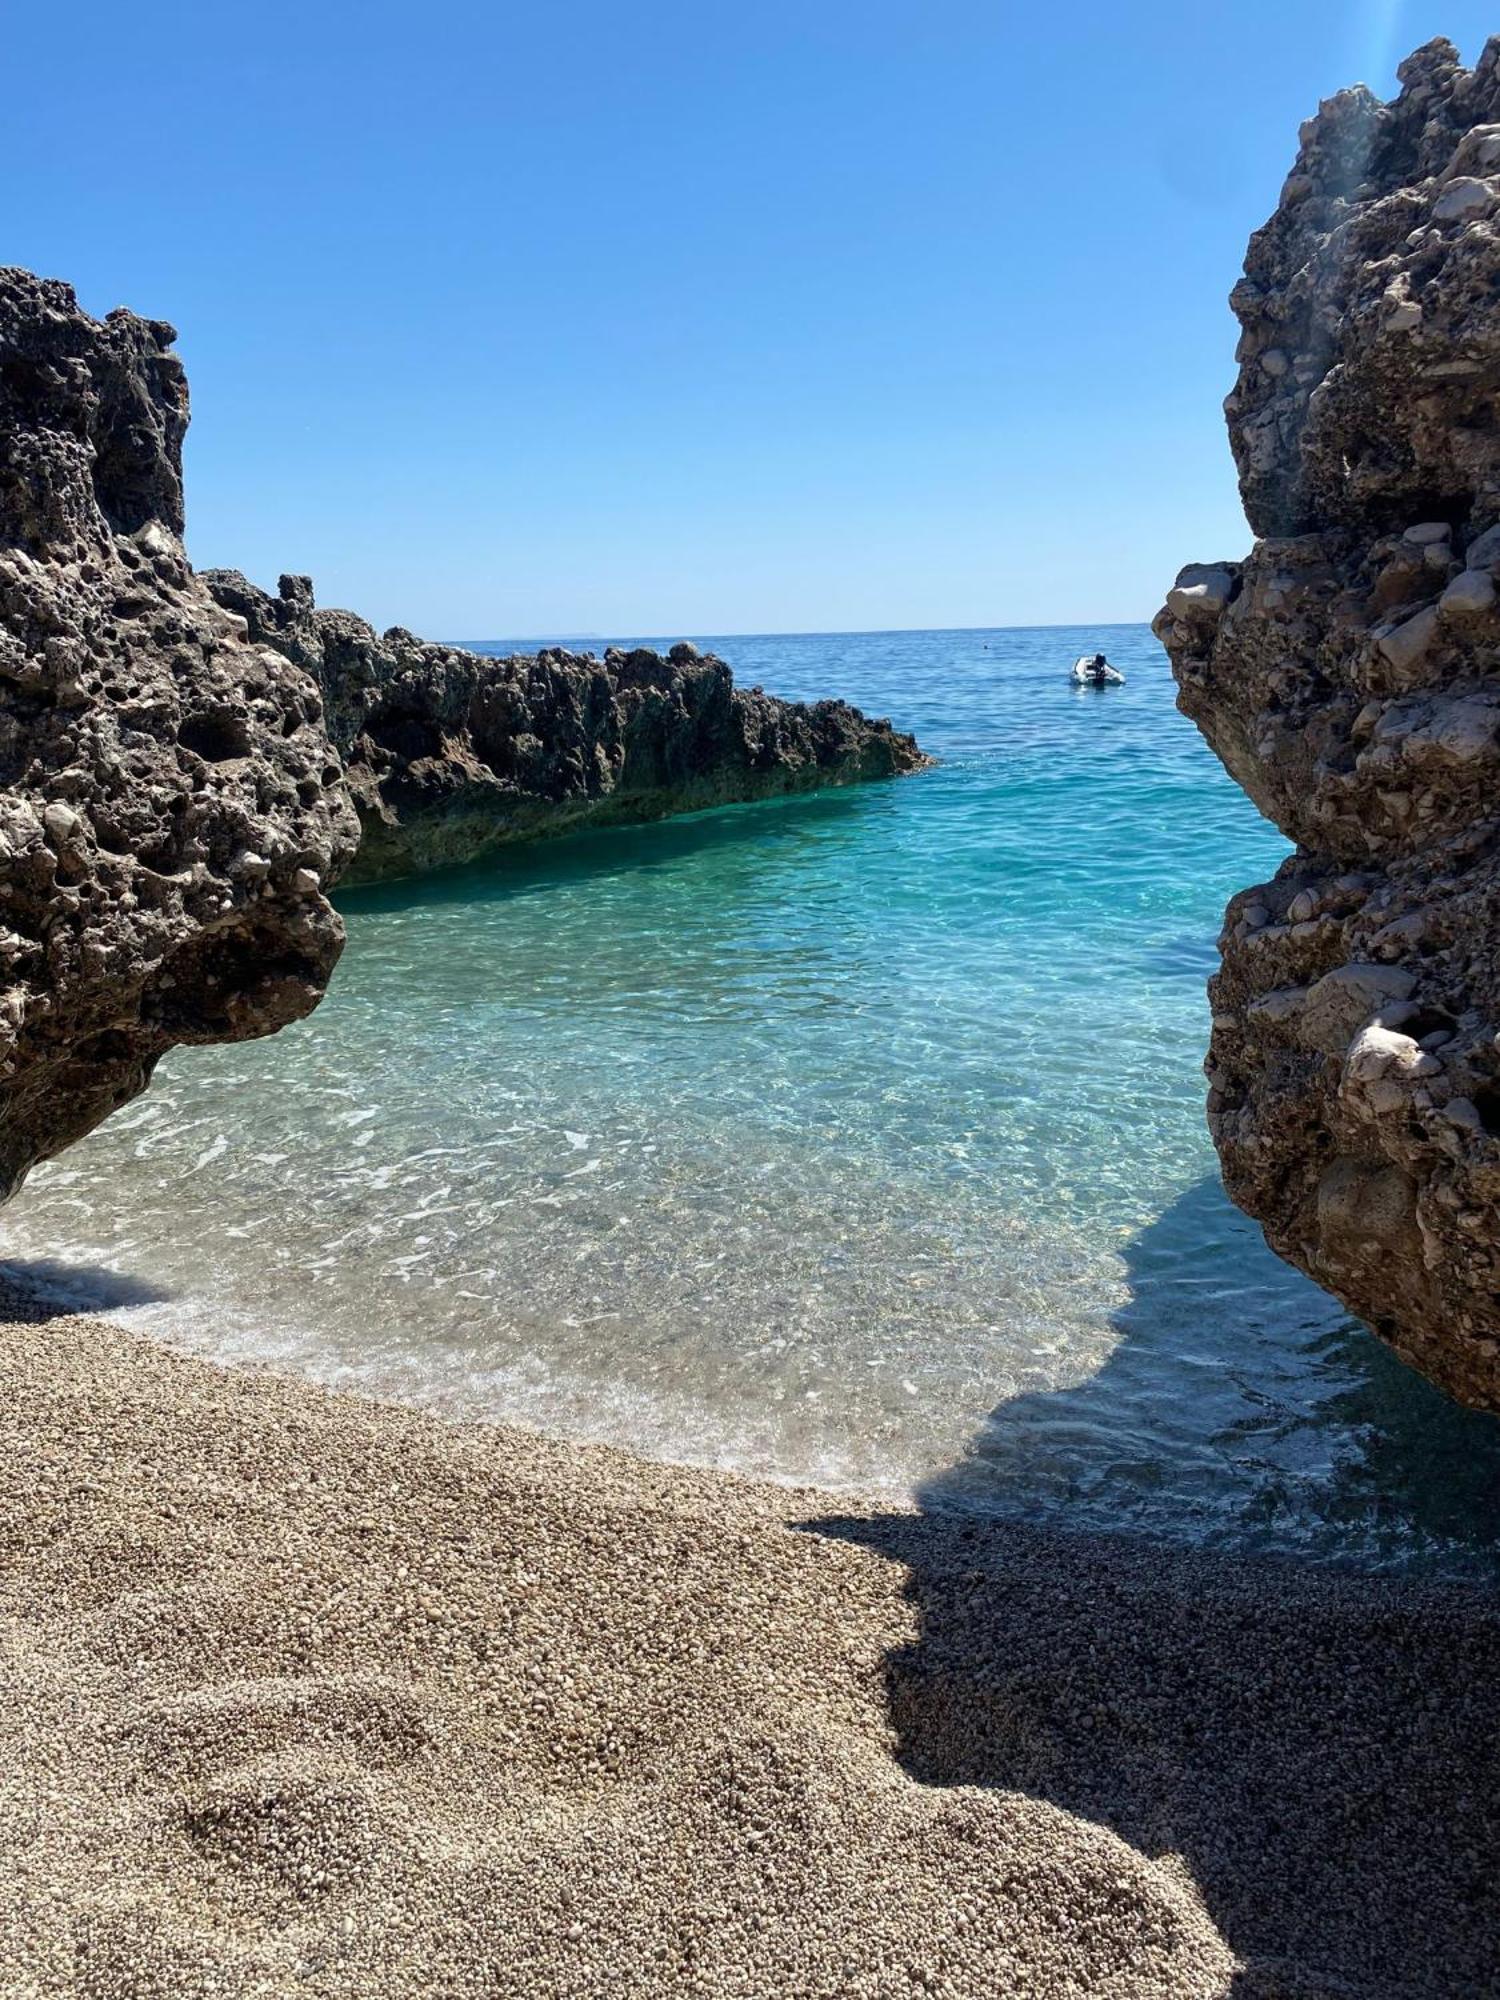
[1098, 666]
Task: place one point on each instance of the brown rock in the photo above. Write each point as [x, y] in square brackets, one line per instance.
[1351, 684]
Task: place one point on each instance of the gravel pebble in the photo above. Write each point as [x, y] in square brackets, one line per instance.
[311, 1695]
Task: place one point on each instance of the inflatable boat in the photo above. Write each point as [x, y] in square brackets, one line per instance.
[1093, 670]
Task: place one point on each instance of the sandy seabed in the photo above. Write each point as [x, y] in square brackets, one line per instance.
[305, 1694]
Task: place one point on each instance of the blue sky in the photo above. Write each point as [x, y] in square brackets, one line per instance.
[523, 319]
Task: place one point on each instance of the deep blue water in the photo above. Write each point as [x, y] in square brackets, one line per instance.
[856, 1138]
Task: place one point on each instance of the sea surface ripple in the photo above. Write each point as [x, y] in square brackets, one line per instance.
[855, 1138]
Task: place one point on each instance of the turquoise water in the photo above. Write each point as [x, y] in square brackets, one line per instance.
[855, 1138]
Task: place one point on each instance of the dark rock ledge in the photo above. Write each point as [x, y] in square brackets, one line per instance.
[174, 797]
[1348, 674]
[451, 753]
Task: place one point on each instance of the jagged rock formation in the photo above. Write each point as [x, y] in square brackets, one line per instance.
[173, 802]
[170, 805]
[1348, 674]
[451, 753]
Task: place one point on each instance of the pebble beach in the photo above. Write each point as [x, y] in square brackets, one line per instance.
[308, 1694]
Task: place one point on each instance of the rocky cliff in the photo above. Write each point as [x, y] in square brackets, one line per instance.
[1348, 674]
[170, 805]
[450, 753]
[174, 800]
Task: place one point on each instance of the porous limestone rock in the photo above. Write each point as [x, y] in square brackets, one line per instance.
[1350, 681]
[170, 804]
[451, 753]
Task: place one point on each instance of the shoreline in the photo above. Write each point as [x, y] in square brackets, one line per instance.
[311, 1693]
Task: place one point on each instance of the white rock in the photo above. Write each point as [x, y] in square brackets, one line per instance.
[1402, 934]
[1478, 152]
[1468, 594]
[1378, 1053]
[1201, 591]
[1484, 550]
[60, 821]
[1344, 1000]
[1284, 1004]
[1405, 647]
[1462, 200]
[155, 540]
[1461, 730]
[1429, 531]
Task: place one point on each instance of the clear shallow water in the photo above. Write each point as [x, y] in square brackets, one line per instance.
[855, 1138]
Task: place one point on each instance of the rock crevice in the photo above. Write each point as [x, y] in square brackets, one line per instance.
[1347, 673]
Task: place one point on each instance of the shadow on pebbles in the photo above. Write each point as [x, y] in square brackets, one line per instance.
[306, 1694]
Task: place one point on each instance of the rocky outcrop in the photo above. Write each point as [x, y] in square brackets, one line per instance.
[170, 805]
[1348, 674]
[451, 753]
[173, 797]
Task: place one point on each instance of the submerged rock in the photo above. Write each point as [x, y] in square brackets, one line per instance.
[1349, 678]
[451, 753]
[170, 805]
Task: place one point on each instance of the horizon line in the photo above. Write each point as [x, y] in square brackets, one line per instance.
[794, 632]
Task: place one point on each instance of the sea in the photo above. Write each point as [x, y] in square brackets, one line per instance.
[854, 1139]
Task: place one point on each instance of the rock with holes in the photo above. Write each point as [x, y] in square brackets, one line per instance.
[1351, 683]
[451, 753]
[170, 802]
